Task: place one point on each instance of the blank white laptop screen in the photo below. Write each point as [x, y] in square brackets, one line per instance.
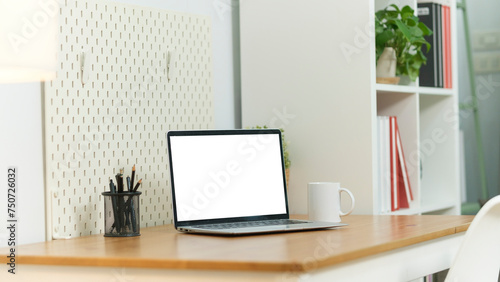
[227, 176]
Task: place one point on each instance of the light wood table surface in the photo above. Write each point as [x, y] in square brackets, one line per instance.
[162, 247]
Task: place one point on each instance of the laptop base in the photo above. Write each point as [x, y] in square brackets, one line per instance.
[307, 225]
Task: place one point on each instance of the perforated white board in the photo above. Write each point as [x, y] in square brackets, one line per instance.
[149, 71]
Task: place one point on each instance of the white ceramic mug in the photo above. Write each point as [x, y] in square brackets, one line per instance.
[324, 201]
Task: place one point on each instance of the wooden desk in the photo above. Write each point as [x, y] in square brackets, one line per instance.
[390, 248]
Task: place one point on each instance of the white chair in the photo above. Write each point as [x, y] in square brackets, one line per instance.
[478, 258]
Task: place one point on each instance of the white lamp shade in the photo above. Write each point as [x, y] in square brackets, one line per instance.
[29, 39]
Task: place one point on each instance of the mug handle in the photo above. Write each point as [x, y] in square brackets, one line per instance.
[352, 201]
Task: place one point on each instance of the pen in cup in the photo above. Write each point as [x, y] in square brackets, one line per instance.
[123, 205]
[133, 177]
[116, 216]
[137, 185]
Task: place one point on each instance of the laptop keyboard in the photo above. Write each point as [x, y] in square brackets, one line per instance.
[250, 224]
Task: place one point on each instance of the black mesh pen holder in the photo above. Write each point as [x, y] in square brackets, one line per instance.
[121, 211]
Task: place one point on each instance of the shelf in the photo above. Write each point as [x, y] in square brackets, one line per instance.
[427, 116]
[426, 208]
[435, 91]
[389, 88]
[411, 211]
[437, 206]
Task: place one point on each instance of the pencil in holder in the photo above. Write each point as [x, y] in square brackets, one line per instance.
[121, 214]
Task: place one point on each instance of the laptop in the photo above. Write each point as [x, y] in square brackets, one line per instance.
[231, 182]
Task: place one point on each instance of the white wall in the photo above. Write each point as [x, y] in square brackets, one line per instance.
[21, 106]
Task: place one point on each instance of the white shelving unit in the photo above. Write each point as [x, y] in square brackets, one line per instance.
[308, 66]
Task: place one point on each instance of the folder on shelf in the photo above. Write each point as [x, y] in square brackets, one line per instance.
[439, 44]
[428, 75]
[380, 162]
[447, 44]
[394, 183]
[384, 165]
[437, 72]
[394, 164]
[405, 194]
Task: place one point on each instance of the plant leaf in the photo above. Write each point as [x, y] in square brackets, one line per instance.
[392, 14]
[407, 10]
[411, 21]
[395, 8]
[404, 29]
[384, 37]
[425, 30]
[416, 33]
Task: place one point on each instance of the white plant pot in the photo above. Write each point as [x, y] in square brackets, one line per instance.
[386, 64]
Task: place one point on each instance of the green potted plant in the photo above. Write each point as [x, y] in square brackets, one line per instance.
[400, 30]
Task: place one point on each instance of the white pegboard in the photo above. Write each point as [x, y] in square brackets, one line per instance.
[149, 71]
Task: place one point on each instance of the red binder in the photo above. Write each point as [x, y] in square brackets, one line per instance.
[447, 51]
[405, 194]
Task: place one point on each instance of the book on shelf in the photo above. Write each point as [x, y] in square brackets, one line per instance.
[405, 193]
[437, 72]
[384, 165]
[394, 190]
[393, 164]
[447, 49]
